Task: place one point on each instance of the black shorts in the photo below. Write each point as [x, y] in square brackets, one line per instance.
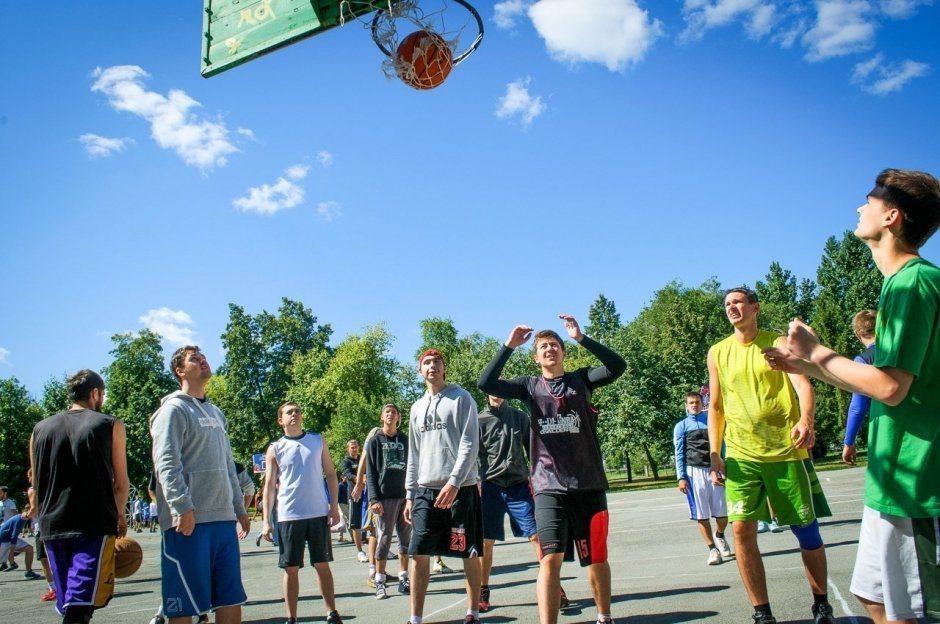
[40, 548]
[293, 535]
[355, 513]
[456, 532]
[573, 519]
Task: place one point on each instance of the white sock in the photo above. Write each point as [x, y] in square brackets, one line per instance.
[416, 619]
[380, 578]
[475, 614]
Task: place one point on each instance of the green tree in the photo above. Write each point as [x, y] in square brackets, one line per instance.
[18, 415]
[55, 396]
[256, 374]
[782, 298]
[848, 282]
[136, 380]
[603, 320]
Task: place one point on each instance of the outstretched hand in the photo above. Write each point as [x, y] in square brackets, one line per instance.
[518, 336]
[572, 327]
[782, 360]
[801, 339]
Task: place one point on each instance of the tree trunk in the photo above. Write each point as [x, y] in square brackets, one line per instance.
[652, 462]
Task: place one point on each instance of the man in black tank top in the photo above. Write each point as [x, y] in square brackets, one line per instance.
[567, 468]
[80, 487]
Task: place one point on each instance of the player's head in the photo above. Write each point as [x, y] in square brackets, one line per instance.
[863, 324]
[548, 349]
[352, 448]
[86, 387]
[914, 194]
[3, 492]
[189, 363]
[289, 413]
[741, 306]
[431, 366]
[693, 402]
[390, 415]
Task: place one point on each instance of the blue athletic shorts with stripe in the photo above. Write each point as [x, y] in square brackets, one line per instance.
[516, 500]
[201, 572]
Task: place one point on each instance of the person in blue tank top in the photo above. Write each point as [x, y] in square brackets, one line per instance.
[296, 465]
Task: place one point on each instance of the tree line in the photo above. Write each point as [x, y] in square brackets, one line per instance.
[272, 357]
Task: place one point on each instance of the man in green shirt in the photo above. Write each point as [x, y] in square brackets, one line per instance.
[897, 572]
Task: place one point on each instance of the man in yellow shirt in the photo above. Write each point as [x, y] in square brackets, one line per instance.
[766, 420]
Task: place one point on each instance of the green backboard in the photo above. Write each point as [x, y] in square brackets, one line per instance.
[237, 31]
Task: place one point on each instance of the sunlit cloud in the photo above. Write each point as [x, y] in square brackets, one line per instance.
[329, 210]
[174, 326]
[842, 27]
[325, 158]
[877, 77]
[271, 198]
[99, 147]
[4, 356]
[518, 102]
[506, 13]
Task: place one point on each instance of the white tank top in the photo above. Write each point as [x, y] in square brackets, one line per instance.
[301, 491]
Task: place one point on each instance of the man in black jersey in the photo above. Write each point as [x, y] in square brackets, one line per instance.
[567, 468]
[79, 485]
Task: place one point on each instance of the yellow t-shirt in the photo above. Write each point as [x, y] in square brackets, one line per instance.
[760, 404]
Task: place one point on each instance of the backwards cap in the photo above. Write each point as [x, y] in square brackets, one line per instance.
[432, 352]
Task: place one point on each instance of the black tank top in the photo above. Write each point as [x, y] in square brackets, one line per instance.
[74, 475]
[565, 452]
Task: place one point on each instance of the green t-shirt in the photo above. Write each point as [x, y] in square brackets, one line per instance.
[904, 441]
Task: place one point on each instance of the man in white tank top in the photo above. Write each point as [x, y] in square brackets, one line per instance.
[297, 465]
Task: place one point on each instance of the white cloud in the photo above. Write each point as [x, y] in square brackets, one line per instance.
[842, 27]
[614, 33]
[519, 102]
[703, 15]
[325, 158]
[880, 78]
[4, 355]
[246, 132]
[900, 9]
[173, 125]
[174, 326]
[272, 198]
[329, 210]
[505, 13]
[98, 146]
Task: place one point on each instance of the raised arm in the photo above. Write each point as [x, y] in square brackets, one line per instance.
[612, 365]
[716, 423]
[491, 384]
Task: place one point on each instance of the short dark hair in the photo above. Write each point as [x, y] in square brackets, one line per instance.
[917, 195]
[744, 290]
[863, 323]
[695, 394]
[176, 360]
[82, 383]
[545, 334]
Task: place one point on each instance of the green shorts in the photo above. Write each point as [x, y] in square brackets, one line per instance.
[791, 487]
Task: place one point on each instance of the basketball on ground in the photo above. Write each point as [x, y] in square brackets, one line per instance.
[127, 557]
[424, 60]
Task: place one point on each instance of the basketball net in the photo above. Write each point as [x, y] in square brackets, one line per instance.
[456, 22]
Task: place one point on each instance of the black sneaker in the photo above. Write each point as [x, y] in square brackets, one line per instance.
[333, 618]
[563, 602]
[822, 613]
[404, 585]
[485, 598]
[471, 620]
[764, 618]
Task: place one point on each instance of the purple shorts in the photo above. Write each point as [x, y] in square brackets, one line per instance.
[82, 570]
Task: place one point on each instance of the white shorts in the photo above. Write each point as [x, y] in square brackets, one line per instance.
[898, 564]
[18, 546]
[706, 500]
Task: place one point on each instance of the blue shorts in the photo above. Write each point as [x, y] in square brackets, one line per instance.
[201, 572]
[516, 500]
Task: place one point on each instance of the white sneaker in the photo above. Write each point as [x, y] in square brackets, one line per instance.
[440, 567]
[762, 527]
[714, 557]
[723, 547]
[774, 527]
[362, 557]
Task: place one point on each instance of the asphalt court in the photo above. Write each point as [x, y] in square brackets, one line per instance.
[657, 557]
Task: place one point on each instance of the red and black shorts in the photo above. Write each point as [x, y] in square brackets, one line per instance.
[456, 532]
[573, 521]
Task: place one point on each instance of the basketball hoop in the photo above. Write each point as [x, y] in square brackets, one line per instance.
[395, 29]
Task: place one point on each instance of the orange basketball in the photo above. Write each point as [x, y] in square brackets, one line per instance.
[127, 557]
[424, 60]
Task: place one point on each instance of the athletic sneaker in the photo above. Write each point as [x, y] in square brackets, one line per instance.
[157, 619]
[485, 598]
[203, 619]
[762, 527]
[32, 576]
[722, 545]
[441, 568]
[404, 585]
[258, 541]
[471, 620]
[362, 557]
[714, 557]
[763, 618]
[12, 566]
[380, 591]
[563, 603]
[774, 527]
[3, 566]
[822, 614]
[333, 618]
[49, 596]
[605, 620]
[370, 581]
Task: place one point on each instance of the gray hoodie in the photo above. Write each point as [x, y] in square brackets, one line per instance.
[443, 441]
[193, 462]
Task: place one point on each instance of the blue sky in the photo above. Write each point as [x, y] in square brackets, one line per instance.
[588, 146]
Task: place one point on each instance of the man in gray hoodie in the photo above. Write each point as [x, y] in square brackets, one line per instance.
[198, 499]
[441, 498]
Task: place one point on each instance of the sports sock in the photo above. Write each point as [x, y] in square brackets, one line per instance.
[379, 577]
[719, 534]
[416, 619]
[475, 614]
[711, 545]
